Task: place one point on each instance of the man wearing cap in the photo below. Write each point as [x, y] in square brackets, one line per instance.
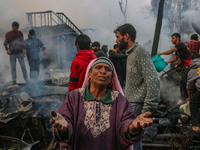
[15, 48]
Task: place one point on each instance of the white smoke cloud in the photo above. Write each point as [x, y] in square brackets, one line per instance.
[102, 15]
[85, 14]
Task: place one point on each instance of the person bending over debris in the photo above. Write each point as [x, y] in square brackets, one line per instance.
[98, 116]
[180, 49]
[183, 54]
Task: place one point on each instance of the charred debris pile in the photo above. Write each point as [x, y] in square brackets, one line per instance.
[172, 128]
[25, 111]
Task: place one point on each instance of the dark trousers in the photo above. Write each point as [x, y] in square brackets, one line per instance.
[183, 90]
[34, 64]
[13, 60]
[194, 108]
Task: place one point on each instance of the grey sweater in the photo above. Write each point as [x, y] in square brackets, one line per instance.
[194, 75]
[142, 81]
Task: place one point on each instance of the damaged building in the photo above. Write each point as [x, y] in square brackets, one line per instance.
[58, 34]
[25, 108]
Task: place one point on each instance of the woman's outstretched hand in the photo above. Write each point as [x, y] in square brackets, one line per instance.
[141, 122]
[58, 122]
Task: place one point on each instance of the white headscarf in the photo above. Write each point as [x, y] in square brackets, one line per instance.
[115, 82]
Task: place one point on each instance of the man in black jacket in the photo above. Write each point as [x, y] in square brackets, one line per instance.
[97, 51]
[118, 59]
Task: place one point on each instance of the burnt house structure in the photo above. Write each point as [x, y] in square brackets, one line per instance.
[58, 34]
[25, 108]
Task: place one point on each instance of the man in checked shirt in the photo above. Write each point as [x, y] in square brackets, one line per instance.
[194, 44]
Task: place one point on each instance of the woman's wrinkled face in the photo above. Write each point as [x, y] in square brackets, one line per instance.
[101, 74]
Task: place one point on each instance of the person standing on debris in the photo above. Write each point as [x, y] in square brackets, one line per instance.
[98, 116]
[79, 65]
[142, 87]
[194, 44]
[15, 48]
[193, 88]
[97, 51]
[33, 46]
[118, 58]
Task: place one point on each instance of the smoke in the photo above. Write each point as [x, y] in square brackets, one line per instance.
[177, 17]
[86, 14]
[102, 16]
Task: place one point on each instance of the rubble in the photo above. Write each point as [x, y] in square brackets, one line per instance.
[25, 112]
[173, 128]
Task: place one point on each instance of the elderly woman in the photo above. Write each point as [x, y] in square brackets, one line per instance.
[98, 116]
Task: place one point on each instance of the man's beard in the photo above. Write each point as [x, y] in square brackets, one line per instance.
[123, 45]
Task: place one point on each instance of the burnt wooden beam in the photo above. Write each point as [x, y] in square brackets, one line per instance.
[158, 28]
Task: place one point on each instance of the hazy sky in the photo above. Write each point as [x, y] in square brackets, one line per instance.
[98, 14]
[85, 13]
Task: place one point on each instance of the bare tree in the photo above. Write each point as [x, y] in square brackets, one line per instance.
[123, 10]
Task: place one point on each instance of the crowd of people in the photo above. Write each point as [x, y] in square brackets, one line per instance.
[111, 94]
